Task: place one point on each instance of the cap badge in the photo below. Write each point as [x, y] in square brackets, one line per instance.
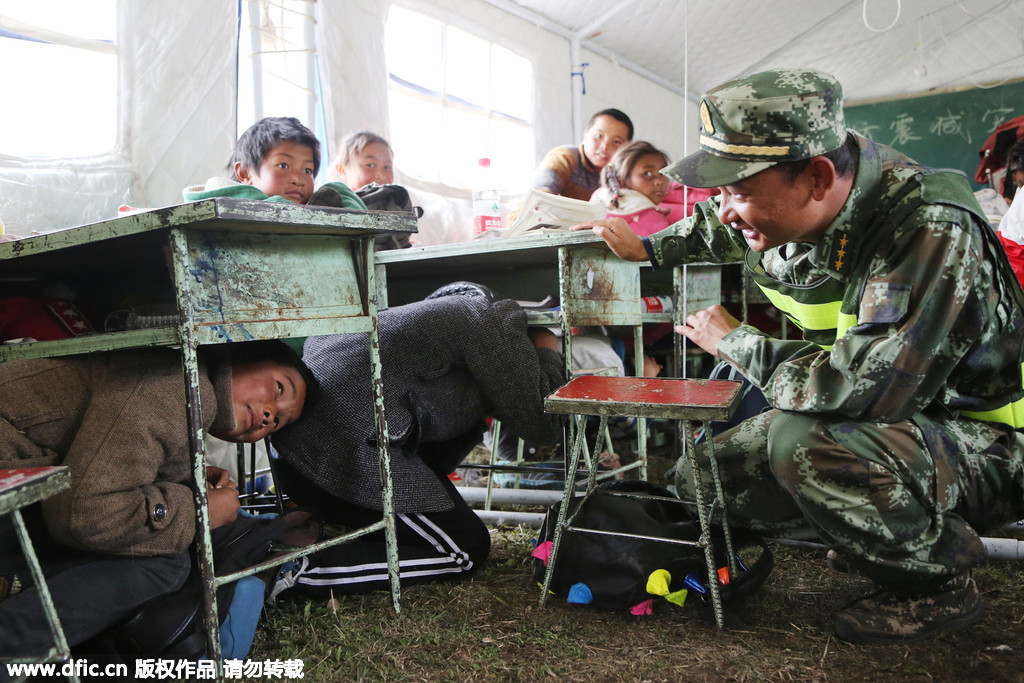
[705, 118]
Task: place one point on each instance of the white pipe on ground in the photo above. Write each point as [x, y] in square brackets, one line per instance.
[1003, 548]
[499, 517]
[477, 494]
[998, 548]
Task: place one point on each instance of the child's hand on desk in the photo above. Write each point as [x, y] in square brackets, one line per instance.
[218, 477]
[223, 505]
[222, 494]
[618, 236]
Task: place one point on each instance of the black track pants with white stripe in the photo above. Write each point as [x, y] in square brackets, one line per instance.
[431, 546]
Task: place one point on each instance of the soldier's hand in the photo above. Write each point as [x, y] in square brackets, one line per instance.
[617, 235]
[706, 328]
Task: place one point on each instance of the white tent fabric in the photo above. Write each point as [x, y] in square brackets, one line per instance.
[353, 79]
[651, 58]
[354, 86]
[878, 49]
[45, 195]
[178, 66]
[178, 120]
[177, 111]
[355, 92]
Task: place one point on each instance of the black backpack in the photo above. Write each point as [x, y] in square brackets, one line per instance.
[615, 570]
[388, 198]
[172, 625]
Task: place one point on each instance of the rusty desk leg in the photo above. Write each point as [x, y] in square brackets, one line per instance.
[19, 488]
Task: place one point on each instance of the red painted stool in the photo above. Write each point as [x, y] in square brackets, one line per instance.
[691, 400]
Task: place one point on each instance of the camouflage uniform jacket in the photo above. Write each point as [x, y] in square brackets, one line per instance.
[906, 301]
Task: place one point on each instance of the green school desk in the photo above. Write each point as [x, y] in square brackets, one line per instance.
[228, 270]
[593, 285]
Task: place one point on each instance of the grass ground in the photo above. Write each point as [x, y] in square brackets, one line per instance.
[490, 628]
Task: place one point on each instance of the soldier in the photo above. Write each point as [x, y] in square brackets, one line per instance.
[893, 435]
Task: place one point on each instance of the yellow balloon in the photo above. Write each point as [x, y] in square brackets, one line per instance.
[658, 581]
[678, 598]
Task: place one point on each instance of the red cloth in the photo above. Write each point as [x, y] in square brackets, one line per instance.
[993, 152]
[1015, 252]
[41, 318]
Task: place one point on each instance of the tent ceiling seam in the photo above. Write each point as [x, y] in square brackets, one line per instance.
[588, 29]
[567, 33]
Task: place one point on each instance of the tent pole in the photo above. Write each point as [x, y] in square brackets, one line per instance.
[255, 45]
[309, 35]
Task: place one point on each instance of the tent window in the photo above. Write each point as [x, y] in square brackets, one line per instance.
[277, 70]
[453, 98]
[61, 98]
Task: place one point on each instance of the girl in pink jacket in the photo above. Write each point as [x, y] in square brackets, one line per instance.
[633, 188]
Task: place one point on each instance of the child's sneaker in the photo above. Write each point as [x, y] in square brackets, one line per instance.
[551, 480]
[890, 617]
[286, 577]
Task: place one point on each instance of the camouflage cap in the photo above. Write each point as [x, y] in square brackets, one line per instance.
[752, 123]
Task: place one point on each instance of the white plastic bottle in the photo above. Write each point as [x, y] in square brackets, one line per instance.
[486, 206]
[655, 304]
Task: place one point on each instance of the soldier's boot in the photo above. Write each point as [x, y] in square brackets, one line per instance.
[890, 617]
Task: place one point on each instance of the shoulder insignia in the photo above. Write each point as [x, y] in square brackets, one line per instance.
[841, 252]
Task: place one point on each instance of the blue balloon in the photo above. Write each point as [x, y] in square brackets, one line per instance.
[579, 594]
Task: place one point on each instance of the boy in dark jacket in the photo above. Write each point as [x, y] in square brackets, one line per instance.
[449, 361]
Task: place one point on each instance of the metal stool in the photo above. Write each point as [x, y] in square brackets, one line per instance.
[691, 400]
[19, 488]
[520, 466]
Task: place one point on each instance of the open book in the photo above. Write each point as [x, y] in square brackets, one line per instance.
[541, 209]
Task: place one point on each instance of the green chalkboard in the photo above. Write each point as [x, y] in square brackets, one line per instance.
[942, 129]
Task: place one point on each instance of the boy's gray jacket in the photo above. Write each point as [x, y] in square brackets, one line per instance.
[447, 364]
